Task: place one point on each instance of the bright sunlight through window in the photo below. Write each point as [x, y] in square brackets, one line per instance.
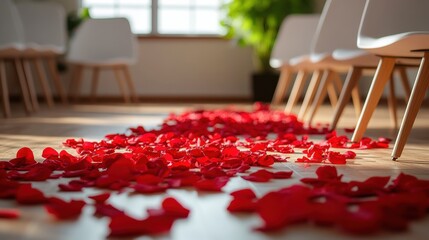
[168, 17]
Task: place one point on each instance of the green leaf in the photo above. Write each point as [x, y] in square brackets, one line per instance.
[256, 23]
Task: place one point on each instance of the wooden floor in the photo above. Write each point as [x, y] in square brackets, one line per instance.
[208, 219]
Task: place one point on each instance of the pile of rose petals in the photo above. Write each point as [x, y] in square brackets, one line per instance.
[354, 207]
[203, 149]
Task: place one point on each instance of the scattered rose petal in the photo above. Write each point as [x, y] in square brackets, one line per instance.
[174, 208]
[9, 213]
[100, 198]
[29, 195]
[125, 226]
[63, 210]
[212, 185]
[259, 176]
[107, 210]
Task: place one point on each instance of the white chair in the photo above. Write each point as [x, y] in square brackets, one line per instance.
[396, 33]
[11, 49]
[293, 40]
[45, 37]
[335, 51]
[103, 43]
[337, 29]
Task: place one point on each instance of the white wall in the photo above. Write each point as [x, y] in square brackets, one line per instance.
[185, 67]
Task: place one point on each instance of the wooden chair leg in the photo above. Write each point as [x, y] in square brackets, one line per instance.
[321, 94]
[52, 65]
[30, 83]
[43, 82]
[334, 85]
[350, 84]
[332, 94]
[282, 85]
[405, 82]
[130, 83]
[296, 90]
[391, 103]
[22, 83]
[337, 82]
[381, 77]
[357, 102]
[94, 83]
[76, 81]
[121, 83]
[417, 95]
[311, 91]
[4, 90]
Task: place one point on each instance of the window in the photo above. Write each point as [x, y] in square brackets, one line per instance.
[189, 17]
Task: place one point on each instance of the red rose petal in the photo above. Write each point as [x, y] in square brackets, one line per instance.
[244, 201]
[275, 209]
[212, 185]
[28, 195]
[149, 179]
[282, 175]
[63, 210]
[230, 151]
[242, 205]
[244, 193]
[350, 155]
[108, 210]
[71, 187]
[266, 161]
[329, 213]
[336, 158]
[50, 153]
[147, 188]
[349, 130]
[123, 225]
[27, 154]
[37, 173]
[100, 198]
[174, 208]
[259, 176]
[9, 213]
[366, 220]
[328, 173]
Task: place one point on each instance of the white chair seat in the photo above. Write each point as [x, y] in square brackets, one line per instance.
[57, 50]
[320, 57]
[326, 60]
[102, 62]
[356, 57]
[300, 61]
[396, 45]
[12, 46]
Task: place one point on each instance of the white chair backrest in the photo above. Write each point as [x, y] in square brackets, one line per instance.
[44, 25]
[103, 41]
[338, 26]
[388, 17]
[294, 38]
[11, 30]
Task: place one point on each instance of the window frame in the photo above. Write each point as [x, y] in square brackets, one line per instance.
[154, 33]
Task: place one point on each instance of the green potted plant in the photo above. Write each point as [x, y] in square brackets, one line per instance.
[75, 18]
[256, 23]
